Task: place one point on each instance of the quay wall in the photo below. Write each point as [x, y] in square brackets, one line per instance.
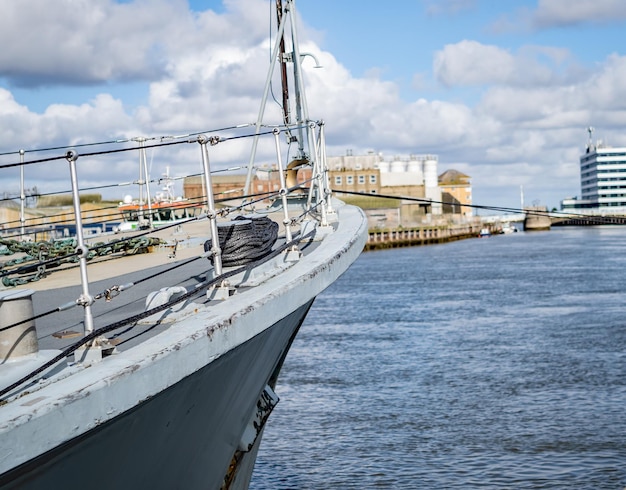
[422, 235]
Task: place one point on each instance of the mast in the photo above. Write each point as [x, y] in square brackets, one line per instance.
[283, 65]
[266, 90]
[294, 57]
[302, 115]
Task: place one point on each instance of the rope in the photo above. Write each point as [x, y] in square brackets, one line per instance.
[245, 240]
[40, 315]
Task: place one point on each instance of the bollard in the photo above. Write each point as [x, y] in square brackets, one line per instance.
[20, 340]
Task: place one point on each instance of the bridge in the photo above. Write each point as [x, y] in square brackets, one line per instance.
[579, 220]
[560, 219]
[502, 218]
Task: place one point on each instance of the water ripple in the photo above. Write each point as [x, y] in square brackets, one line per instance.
[479, 364]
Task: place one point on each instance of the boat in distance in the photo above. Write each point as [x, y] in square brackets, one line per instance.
[149, 358]
[164, 209]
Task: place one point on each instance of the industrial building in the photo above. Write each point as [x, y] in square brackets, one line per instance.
[409, 176]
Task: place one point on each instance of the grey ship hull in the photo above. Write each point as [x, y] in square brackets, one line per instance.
[170, 412]
[181, 437]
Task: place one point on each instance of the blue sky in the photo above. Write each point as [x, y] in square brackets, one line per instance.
[500, 90]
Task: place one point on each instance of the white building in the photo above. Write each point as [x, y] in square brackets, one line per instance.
[602, 181]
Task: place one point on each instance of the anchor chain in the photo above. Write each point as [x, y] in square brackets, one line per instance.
[35, 263]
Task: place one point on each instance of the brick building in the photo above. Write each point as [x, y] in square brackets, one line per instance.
[456, 191]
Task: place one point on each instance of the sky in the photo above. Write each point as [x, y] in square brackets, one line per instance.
[503, 91]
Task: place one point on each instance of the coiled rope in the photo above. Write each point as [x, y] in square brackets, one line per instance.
[245, 239]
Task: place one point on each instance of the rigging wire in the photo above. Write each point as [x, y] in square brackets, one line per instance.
[121, 184]
[128, 140]
[534, 212]
[114, 243]
[119, 288]
[33, 318]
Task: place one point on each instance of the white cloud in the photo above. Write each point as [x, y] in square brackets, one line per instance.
[85, 41]
[566, 105]
[74, 42]
[561, 13]
[566, 12]
[472, 63]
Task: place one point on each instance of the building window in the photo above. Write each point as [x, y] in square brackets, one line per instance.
[349, 180]
[373, 179]
[361, 179]
[337, 179]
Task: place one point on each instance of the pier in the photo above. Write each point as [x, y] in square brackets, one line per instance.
[588, 220]
[422, 235]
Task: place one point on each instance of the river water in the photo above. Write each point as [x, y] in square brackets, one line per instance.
[484, 363]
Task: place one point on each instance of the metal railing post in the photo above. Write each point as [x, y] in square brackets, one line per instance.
[212, 215]
[143, 170]
[22, 196]
[318, 177]
[85, 299]
[283, 187]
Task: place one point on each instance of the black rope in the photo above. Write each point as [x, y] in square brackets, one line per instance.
[103, 294]
[40, 315]
[165, 271]
[110, 217]
[109, 186]
[308, 211]
[244, 240]
[31, 162]
[54, 148]
[132, 148]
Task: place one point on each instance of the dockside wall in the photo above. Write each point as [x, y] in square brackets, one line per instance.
[422, 235]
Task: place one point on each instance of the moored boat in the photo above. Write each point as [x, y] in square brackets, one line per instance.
[150, 359]
[507, 228]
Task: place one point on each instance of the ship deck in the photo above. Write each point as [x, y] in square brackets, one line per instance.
[189, 269]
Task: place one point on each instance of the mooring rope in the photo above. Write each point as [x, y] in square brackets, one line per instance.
[245, 239]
